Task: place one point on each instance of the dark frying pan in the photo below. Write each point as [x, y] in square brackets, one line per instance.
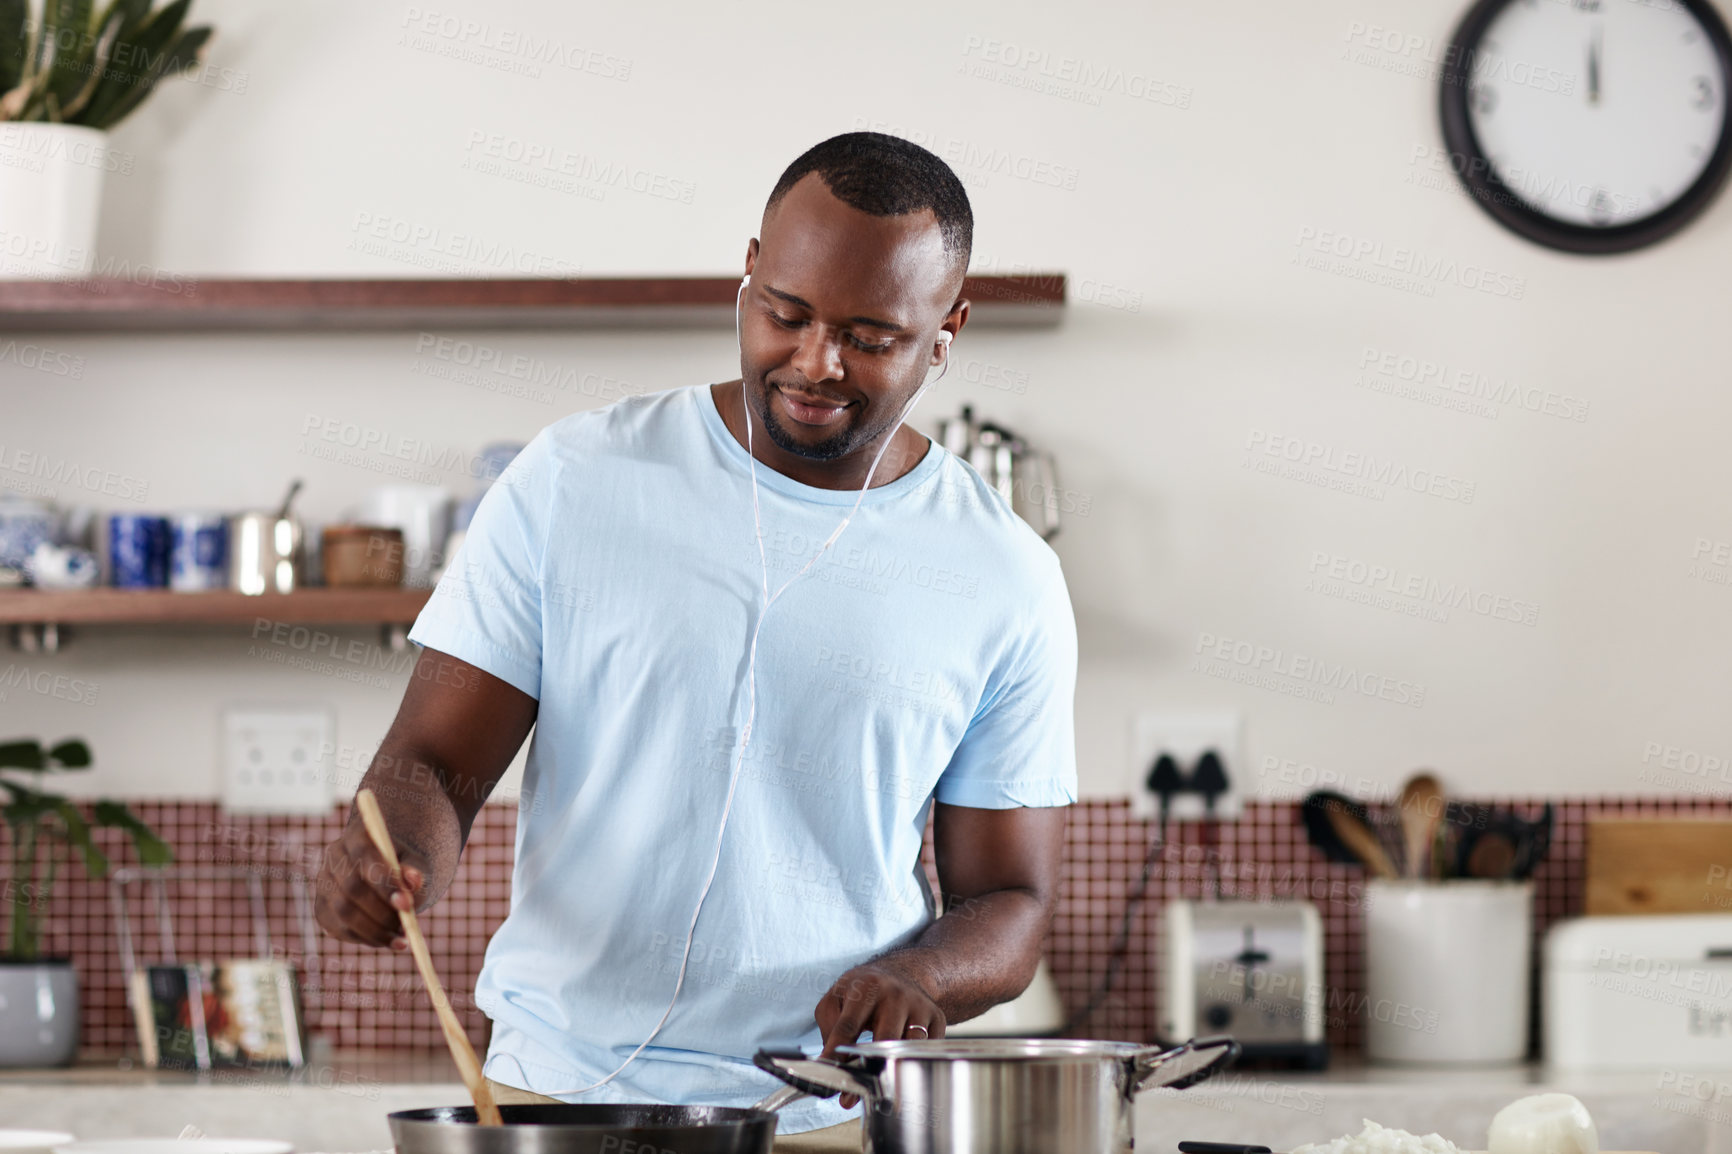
[592, 1129]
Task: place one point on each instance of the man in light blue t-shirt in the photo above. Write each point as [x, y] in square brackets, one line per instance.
[724, 791]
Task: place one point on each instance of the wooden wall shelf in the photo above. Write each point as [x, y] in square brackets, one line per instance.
[35, 607]
[192, 304]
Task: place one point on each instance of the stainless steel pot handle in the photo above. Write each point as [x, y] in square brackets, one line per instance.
[819, 1077]
[1183, 1066]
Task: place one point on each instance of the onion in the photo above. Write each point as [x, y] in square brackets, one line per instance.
[1375, 1139]
[1543, 1124]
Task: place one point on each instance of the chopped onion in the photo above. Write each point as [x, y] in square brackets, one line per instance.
[1375, 1139]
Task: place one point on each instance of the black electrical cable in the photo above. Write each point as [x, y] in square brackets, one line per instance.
[1210, 780]
[1164, 781]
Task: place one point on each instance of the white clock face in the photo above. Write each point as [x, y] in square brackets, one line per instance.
[1596, 112]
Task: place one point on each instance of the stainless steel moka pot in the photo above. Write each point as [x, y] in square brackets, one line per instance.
[1026, 477]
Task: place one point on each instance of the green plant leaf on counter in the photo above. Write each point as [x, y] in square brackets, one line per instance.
[26, 808]
[77, 835]
[45, 827]
[23, 755]
[152, 850]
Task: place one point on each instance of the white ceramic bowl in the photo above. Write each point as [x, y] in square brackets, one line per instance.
[176, 1146]
[32, 1141]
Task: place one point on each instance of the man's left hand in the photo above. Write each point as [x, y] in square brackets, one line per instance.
[888, 998]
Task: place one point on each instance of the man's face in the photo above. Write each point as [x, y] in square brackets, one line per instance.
[838, 325]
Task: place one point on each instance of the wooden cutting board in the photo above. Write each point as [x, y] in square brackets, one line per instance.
[1659, 866]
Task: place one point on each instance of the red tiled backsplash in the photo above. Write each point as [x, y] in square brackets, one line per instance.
[372, 999]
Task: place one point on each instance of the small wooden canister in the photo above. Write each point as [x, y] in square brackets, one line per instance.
[361, 556]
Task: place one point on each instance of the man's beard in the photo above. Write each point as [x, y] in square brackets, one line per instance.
[839, 444]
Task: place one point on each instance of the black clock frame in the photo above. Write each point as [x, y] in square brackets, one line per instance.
[1507, 207]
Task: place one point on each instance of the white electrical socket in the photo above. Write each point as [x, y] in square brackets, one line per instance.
[271, 759]
[1185, 736]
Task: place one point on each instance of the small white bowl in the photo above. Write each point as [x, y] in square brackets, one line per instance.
[176, 1146]
[32, 1141]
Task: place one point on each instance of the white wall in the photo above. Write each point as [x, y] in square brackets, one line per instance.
[1195, 334]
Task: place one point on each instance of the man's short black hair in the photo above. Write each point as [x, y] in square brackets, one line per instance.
[888, 176]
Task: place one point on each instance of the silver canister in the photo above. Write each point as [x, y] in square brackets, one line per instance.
[264, 553]
[1024, 476]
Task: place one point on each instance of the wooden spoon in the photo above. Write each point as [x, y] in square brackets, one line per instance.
[462, 1052]
[1421, 811]
[1493, 856]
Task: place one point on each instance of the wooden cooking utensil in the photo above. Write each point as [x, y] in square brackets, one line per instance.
[486, 1112]
[1421, 811]
[1493, 856]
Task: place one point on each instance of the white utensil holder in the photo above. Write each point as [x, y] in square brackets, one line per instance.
[1447, 971]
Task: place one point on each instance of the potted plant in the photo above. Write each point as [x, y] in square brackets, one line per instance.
[38, 995]
[68, 73]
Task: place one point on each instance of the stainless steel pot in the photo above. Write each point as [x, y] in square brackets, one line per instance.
[1000, 1095]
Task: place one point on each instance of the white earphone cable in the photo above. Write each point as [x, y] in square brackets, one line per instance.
[751, 674]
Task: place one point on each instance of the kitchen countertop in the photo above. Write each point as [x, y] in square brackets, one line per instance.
[1633, 1110]
[339, 1102]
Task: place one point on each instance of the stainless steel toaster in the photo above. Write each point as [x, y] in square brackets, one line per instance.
[1252, 969]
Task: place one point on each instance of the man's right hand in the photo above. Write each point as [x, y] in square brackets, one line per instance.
[454, 736]
[357, 900]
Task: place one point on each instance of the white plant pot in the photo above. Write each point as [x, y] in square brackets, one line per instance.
[50, 192]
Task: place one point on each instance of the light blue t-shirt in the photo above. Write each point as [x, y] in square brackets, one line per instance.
[612, 574]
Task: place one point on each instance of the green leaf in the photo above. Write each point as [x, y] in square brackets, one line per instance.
[133, 14]
[14, 42]
[66, 24]
[77, 834]
[71, 754]
[23, 755]
[39, 48]
[181, 55]
[27, 810]
[136, 58]
[118, 16]
[152, 850]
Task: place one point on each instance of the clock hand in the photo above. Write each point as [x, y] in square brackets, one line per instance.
[1594, 68]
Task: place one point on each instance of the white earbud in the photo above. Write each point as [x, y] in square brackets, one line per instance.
[945, 337]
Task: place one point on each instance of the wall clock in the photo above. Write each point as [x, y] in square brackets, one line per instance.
[1592, 126]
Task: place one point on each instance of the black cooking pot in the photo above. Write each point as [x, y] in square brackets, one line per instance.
[592, 1129]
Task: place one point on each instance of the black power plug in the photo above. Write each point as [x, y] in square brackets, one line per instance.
[1165, 780]
[1208, 779]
